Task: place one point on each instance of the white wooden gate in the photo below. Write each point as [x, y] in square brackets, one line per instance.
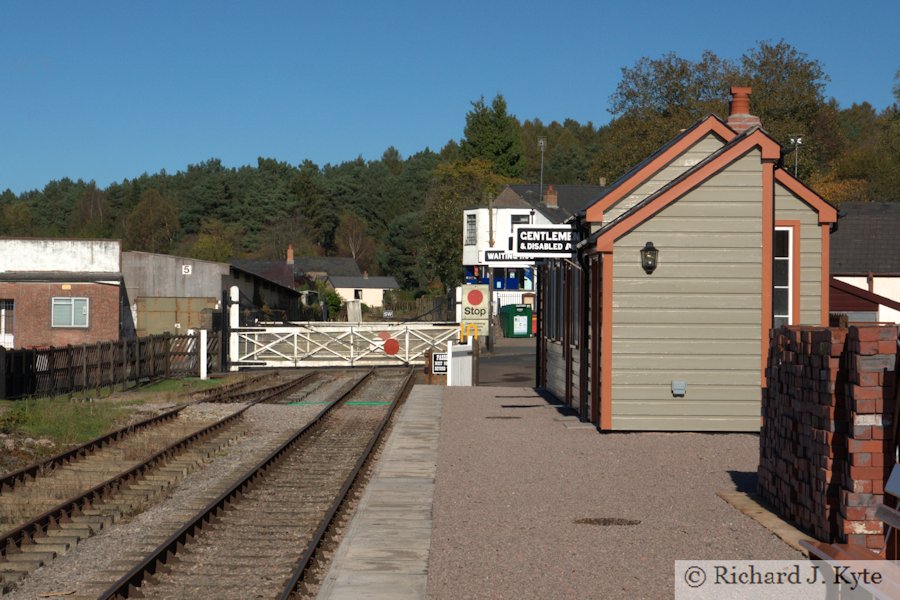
[317, 344]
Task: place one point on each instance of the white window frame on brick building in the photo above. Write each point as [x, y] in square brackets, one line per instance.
[70, 312]
[783, 317]
[7, 322]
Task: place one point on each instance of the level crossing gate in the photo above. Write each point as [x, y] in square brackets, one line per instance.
[319, 344]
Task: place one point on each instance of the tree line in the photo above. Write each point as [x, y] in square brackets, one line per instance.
[402, 216]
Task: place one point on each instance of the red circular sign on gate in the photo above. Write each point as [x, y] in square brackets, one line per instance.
[475, 297]
[391, 347]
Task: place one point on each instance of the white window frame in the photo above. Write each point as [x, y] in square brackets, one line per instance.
[790, 277]
[71, 302]
[471, 238]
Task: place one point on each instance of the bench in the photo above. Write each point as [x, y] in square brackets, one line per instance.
[835, 554]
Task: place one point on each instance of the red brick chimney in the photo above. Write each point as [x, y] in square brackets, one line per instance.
[290, 254]
[740, 118]
[550, 196]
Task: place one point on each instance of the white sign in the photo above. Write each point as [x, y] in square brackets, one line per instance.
[439, 363]
[475, 304]
[186, 269]
[543, 241]
[503, 258]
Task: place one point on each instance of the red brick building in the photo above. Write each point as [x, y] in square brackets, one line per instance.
[59, 292]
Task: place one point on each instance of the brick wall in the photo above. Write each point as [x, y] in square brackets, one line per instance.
[33, 300]
[825, 447]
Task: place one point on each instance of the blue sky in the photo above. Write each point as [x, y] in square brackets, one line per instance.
[109, 90]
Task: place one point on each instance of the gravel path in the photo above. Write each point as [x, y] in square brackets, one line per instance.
[509, 493]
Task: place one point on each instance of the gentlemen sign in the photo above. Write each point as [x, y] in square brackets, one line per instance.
[544, 241]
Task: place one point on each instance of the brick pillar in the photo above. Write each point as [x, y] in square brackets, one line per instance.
[871, 362]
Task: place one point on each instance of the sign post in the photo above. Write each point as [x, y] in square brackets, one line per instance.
[476, 309]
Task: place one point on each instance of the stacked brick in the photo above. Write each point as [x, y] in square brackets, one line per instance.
[871, 361]
[803, 432]
[826, 423]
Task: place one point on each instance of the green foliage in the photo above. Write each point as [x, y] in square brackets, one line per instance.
[152, 225]
[215, 242]
[492, 135]
[454, 188]
[403, 216]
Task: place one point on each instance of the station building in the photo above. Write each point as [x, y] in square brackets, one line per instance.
[487, 235]
[661, 321]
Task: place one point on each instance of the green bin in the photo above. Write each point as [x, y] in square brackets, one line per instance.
[515, 320]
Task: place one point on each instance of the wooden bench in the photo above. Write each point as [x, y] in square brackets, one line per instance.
[840, 553]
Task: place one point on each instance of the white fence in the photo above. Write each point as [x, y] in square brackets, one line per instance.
[316, 344]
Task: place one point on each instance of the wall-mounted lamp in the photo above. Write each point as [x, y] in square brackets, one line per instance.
[649, 256]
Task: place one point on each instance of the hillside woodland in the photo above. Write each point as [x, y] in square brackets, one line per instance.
[401, 216]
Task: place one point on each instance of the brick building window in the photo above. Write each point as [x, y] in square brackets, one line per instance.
[7, 322]
[70, 312]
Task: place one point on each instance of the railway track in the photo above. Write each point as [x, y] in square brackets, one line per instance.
[257, 536]
[47, 508]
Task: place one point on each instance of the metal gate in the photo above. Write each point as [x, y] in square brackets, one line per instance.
[338, 344]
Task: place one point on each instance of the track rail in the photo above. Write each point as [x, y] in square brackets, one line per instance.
[327, 522]
[32, 471]
[13, 540]
[160, 561]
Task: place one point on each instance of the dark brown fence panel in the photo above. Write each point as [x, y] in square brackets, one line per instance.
[49, 371]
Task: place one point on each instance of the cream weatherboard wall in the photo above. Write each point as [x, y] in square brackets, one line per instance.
[790, 208]
[681, 163]
[698, 317]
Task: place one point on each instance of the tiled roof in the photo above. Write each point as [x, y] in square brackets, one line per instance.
[281, 272]
[571, 199]
[382, 283]
[333, 265]
[273, 270]
[867, 239]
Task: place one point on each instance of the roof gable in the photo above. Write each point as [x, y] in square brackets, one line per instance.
[686, 182]
[827, 212]
[642, 172]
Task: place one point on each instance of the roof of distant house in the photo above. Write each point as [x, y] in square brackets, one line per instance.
[382, 283]
[304, 266]
[867, 239]
[273, 270]
[571, 199]
[343, 266]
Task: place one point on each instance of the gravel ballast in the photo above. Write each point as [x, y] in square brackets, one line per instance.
[510, 493]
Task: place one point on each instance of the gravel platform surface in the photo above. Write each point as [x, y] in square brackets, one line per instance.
[510, 492]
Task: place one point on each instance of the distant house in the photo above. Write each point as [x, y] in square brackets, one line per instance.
[58, 292]
[173, 293]
[370, 290]
[487, 234]
[300, 272]
[860, 305]
[662, 319]
[865, 252]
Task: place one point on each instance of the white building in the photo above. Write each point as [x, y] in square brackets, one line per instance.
[369, 290]
[487, 235]
[865, 252]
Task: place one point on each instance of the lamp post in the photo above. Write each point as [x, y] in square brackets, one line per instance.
[796, 141]
[542, 145]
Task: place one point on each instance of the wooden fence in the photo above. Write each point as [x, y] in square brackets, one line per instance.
[50, 371]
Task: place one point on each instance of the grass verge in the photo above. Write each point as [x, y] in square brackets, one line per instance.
[62, 420]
